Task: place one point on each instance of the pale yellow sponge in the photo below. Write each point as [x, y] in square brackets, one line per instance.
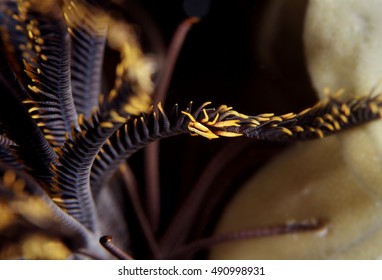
[343, 45]
[337, 179]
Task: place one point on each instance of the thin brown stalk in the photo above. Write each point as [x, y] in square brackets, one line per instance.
[208, 242]
[114, 250]
[132, 189]
[176, 233]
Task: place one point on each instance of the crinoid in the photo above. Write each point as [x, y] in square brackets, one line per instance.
[62, 139]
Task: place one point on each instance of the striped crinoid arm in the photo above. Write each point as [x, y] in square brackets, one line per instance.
[12, 16]
[139, 131]
[9, 149]
[36, 35]
[130, 95]
[8, 153]
[87, 26]
[28, 215]
[70, 187]
[14, 91]
[131, 136]
[23, 145]
[325, 118]
[16, 125]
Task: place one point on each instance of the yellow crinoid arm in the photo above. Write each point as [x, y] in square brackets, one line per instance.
[221, 122]
[196, 128]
